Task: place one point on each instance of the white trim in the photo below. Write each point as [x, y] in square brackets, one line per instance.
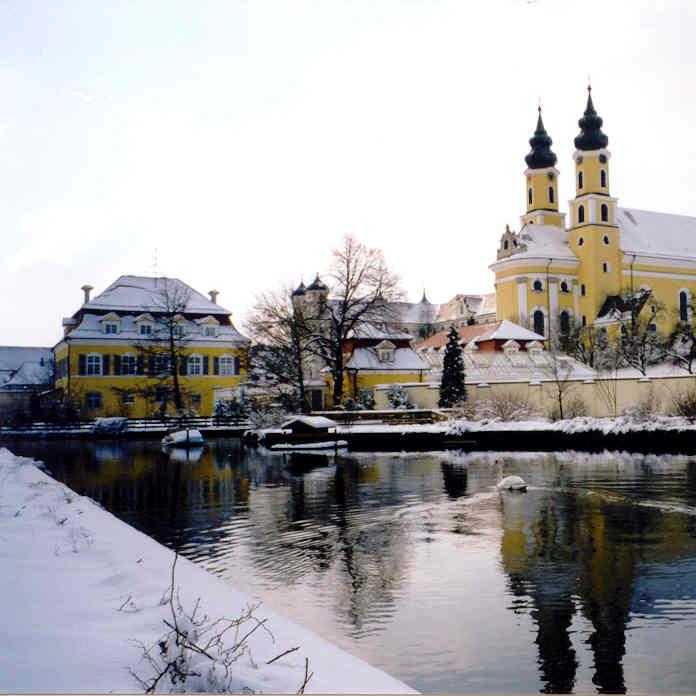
[591, 153]
[657, 260]
[656, 274]
[530, 172]
[519, 260]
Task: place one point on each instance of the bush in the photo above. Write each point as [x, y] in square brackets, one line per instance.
[506, 406]
[398, 397]
[232, 409]
[684, 404]
[644, 409]
[573, 407]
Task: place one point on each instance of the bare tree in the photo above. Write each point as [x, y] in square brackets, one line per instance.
[161, 352]
[584, 343]
[277, 325]
[362, 288]
[640, 343]
[559, 370]
[680, 346]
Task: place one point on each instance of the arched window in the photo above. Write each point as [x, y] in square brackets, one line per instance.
[581, 213]
[584, 320]
[506, 244]
[551, 194]
[580, 180]
[537, 286]
[603, 178]
[529, 196]
[684, 306]
[538, 321]
[604, 212]
[564, 286]
[564, 322]
[583, 290]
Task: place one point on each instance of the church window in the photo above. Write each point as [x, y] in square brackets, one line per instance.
[580, 181]
[581, 241]
[603, 159]
[605, 239]
[537, 286]
[565, 323]
[506, 244]
[551, 194]
[683, 306]
[583, 290]
[603, 178]
[604, 213]
[581, 213]
[584, 320]
[564, 286]
[538, 320]
[94, 364]
[606, 267]
[93, 400]
[529, 196]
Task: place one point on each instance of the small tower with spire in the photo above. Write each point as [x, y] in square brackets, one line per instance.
[542, 180]
[593, 234]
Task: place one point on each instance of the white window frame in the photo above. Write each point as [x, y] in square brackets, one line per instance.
[163, 364]
[145, 329]
[210, 330]
[385, 354]
[109, 325]
[226, 365]
[194, 365]
[93, 365]
[127, 359]
[178, 331]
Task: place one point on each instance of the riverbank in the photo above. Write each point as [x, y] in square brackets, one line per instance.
[85, 587]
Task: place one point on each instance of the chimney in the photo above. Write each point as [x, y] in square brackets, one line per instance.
[86, 289]
[213, 295]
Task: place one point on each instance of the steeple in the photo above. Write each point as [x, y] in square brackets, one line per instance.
[591, 136]
[540, 156]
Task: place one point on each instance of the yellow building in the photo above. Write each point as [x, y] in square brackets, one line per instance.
[123, 350]
[553, 272]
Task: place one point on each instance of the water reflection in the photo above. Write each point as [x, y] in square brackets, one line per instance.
[600, 549]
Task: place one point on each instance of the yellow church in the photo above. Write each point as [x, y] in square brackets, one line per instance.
[557, 272]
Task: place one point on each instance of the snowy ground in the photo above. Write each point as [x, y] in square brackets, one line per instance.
[79, 586]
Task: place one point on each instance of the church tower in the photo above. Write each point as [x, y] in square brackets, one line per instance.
[542, 181]
[593, 233]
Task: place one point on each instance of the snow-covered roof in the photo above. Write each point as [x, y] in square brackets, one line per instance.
[370, 331]
[91, 327]
[503, 330]
[311, 421]
[404, 359]
[507, 330]
[21, 365]
[649, 233]
[144, 293]
[544, 241]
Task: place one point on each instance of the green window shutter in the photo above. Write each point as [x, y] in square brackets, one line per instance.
[117, 364]
[236, 364]
[81, 364]
[141, 365]
[206, 365]
[150, 364]
[216, 365]
[182, 364]
[106, 364]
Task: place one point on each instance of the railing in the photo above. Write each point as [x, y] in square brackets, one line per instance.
[134, 425]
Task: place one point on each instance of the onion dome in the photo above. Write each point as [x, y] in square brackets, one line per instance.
[591, 136]
[317, 284]
[299, 290]
[540, 156]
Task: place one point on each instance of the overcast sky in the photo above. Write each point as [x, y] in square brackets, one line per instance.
[241, 140]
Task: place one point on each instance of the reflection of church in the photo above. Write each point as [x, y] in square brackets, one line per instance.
[579, 555]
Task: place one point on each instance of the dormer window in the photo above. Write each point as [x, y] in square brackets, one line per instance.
[110, 327]
[385, 351]
[209, 331]
[511, 347]
[145, 329]
[178, 331]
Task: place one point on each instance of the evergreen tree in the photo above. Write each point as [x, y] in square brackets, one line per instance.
[452, 388]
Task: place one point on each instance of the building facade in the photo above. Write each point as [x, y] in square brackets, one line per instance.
[556, 272]
[125, 351]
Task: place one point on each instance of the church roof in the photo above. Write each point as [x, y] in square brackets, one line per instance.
[544, 241]
[648, 233]
[540, 156]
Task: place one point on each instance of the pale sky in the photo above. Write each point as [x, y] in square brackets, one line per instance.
[242, 140]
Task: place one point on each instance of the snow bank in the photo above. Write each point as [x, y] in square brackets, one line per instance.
[79, 587]
[114, 425]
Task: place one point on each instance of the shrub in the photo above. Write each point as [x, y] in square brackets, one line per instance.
[398, 397]
[684, 404]
[644, 409]
[506, 406]
[572, 408]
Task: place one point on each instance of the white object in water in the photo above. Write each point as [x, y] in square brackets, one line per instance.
[183, 438]
[341, 444]
[509, 483]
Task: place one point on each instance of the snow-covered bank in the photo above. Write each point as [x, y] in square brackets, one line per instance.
[79, 586]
